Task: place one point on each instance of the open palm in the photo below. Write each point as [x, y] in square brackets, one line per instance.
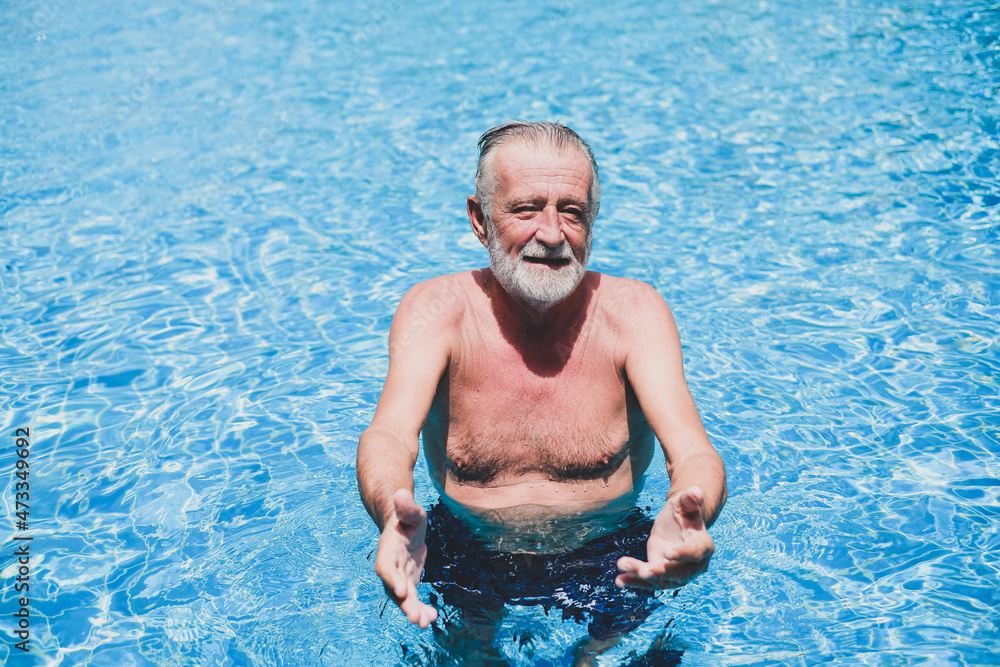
[400, 558]
[678, 549]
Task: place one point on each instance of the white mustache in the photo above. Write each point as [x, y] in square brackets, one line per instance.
[535, 248]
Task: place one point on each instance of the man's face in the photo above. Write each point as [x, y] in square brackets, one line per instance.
[540, 239]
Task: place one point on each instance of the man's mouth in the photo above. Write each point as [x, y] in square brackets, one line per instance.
[555, 262]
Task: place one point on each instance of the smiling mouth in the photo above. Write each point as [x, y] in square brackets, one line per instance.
[556, 262]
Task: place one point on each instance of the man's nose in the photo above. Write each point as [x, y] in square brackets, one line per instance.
[549, 229]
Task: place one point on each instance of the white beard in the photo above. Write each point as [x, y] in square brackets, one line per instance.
[537, 286]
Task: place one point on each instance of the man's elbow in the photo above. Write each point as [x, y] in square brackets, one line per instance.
[723, 491]
[717, 510]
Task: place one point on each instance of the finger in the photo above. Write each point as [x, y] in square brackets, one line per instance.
[691, 498]
[417, 612]
[697, 543]
[429, 615]
[670, 578]
[400, 586]
[407, 510]
[395, 583]
[661, 568]
[689, 504]
[393, 578]
[659, 552]
[393, 595]
[693, 550]
[632, 581]
[629, 564]
[414, 608]
[633, 567]
[411, 607]
[678, 574]
[669, 523]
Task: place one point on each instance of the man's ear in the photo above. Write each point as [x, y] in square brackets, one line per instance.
[477, 218]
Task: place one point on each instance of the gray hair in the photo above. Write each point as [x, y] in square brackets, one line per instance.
[553, 134]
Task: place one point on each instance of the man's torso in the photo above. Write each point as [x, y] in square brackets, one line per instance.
[528, 417]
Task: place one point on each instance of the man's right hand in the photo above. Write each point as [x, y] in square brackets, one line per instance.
[401, 555]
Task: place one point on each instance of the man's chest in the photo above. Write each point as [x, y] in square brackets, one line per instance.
[567, 417]
[558, 382]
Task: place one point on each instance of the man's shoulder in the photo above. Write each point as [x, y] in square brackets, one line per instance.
[448, 288]
[441, 299]
[429, 314]
[630, 297]
[632, 308]
[638, 314]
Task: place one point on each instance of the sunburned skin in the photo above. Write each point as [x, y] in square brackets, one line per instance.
[537, 388]
[521, 422]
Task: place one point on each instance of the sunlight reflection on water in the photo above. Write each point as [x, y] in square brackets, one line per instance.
[211, 211]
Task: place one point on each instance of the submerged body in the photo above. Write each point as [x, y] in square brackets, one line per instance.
[572, 573]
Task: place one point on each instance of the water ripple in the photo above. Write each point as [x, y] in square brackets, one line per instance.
[211, 211]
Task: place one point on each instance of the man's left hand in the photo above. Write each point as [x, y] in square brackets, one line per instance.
[678, 549]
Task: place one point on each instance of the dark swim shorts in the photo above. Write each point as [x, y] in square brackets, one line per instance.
[581, 583]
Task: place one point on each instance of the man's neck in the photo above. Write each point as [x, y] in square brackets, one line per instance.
[540, 323]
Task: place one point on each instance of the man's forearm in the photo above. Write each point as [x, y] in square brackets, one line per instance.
[384, 465]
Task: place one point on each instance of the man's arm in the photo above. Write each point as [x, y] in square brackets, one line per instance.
[680, 546]
[419, 348]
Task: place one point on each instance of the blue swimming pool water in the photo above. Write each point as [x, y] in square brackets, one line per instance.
[210, 210]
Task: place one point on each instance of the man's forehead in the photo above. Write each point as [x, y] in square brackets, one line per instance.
[522, 159]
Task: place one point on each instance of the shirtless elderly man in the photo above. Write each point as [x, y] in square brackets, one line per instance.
[538, 387]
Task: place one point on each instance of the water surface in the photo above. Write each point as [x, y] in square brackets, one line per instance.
[211, 209]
